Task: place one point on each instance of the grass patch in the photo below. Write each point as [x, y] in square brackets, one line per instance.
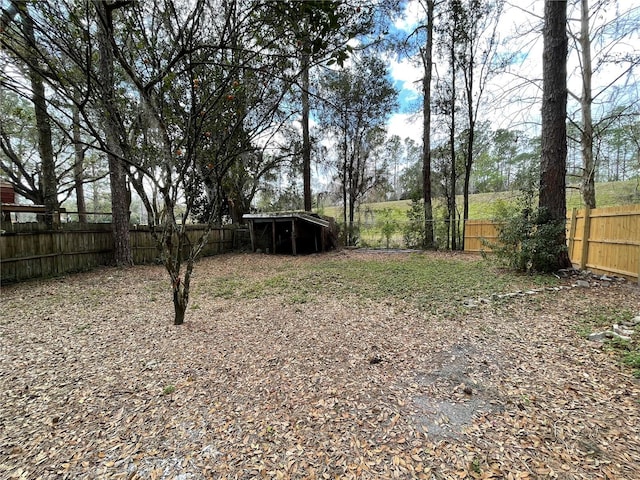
[81, 328]
[627, 352]
[430, 283]
[601, 319]
[632, 359]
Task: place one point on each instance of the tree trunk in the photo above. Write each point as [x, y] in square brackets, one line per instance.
[345, 181]
[586, 140]
[452, 149]
[427, 62]
[467, 180]
[306, 140]
[552, 200]
[471, 116]
[49, 181]
[117, 174]
[78, 168]
[179, 306]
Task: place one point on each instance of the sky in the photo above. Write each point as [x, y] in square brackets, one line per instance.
[518, 107]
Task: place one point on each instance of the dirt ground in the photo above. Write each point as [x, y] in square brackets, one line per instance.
[96, 382]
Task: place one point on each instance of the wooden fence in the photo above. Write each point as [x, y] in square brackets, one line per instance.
[605, 240]
[31, 251]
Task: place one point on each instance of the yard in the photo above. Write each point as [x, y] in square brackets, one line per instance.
[352, 364]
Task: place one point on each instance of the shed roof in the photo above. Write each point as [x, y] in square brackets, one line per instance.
[286, 216]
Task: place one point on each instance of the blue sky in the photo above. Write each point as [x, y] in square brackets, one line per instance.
[513, 97]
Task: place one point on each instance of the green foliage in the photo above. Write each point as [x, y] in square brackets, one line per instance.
[359, 133]
[349, 234]
[527, 237]
[628, 353]
[387, 224]
[441, 227]
[601, 318]
[413, 231]
[168, 390]
[632, 359]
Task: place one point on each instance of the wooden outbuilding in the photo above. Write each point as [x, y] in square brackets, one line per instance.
[8, 205]
[291, 233]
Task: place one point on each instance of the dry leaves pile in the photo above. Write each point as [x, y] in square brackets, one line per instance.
[98, 383]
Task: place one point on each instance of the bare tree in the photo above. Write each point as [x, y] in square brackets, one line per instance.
[356, 104]
[477, 66]
[608, 34]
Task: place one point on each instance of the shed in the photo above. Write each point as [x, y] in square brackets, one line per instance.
[291, 232]
[8, 205]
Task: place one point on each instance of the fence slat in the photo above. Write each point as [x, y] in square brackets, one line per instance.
[604, 239]
[30, 252]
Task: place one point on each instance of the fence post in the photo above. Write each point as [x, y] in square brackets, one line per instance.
[585, 238]
[572, 232]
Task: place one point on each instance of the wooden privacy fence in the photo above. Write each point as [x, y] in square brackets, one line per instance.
[604, 240]
[33, 252]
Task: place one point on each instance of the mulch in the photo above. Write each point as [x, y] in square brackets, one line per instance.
[98, 383]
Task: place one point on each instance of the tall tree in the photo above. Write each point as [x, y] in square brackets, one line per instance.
[426, 54]
[322, 30]
[586, 137]
[552, 189]
[114, 133]
[22, 42]
[319, 30]
[356, 103]
[419, 45]
[609, 32]
[479, 40]
[451, 30]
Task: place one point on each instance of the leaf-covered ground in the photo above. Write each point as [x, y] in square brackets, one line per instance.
[348, 365]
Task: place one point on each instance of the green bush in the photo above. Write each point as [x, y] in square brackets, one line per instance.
[413, 231]
[527, 236]
[387, 224]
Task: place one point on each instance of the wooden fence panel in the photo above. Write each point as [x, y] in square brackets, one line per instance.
[28, 251]
[605, 240]
[612, 240]
[476, 232]
[143, 247]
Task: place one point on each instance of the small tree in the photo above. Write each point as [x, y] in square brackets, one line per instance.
[387, 225]
[414, 231]
[176, 97]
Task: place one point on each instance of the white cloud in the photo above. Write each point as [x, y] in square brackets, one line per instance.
[409, 18]
[406, 72]
[405, 125]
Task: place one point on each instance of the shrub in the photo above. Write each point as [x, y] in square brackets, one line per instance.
[527, 236]
[349, 235]
[413, 231]
[387, 224]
